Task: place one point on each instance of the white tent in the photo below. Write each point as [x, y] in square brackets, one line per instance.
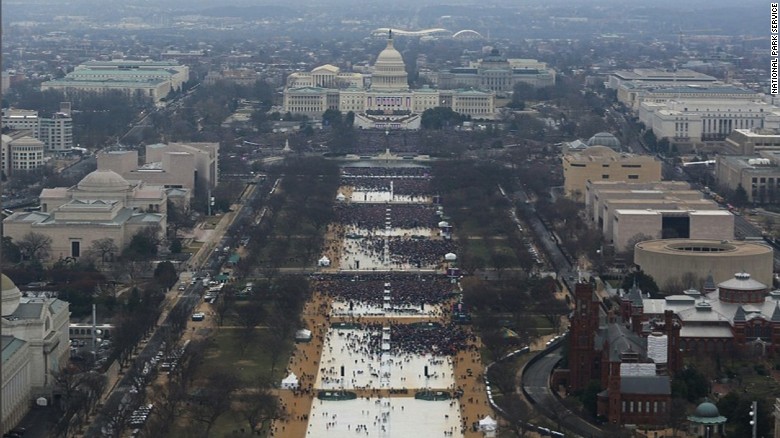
[488, 424]
[303, 335]
[290, 382]
[340, 197]
[324, 261]
[443, 224]
[450, 257]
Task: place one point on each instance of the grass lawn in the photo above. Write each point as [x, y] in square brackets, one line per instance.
[232, 424]
[211, 222]
[295, 252]
[761, 386]
[224, 352]
[192, 248]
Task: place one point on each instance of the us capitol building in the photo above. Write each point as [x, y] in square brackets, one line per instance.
[382, 100]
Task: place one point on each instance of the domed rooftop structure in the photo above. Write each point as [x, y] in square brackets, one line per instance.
[706, 420]
[742, 289]
[605, 139]
[10, 296]
[103, 181]
[495, 56]
[742, 281]
[706, 410]
[599, 151]
[389, 69]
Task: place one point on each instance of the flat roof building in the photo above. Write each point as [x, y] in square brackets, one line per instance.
[694, 120]
[759, 175]
[669, 259]
[604, 199]
[154, 79]
[656, 77]
[753, 141]
[666, 224]
[601, 163]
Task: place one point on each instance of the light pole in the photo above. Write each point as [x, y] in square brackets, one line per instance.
[754, 417]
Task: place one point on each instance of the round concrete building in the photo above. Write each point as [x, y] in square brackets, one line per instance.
[670, 259]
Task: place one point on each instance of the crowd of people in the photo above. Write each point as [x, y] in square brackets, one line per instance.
[393, 172]
[404, 290]
[375, 216]
[417, 187]
[397, 252]
[422, 339]
[419, 252]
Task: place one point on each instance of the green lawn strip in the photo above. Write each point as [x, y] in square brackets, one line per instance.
[224, 351]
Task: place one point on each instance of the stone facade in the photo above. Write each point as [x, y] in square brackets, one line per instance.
[600, 163]
[103, 205]
[385, 92]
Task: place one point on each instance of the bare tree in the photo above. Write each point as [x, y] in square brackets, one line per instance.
[628, 252]
[224, 303]
[249, 316]
[103, 249]
[216, 398]
[35, 246]
[260, 407]
[117, 419]
[690, 280]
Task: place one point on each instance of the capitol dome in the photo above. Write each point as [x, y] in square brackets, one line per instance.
[103, 181]
[390, 56]
[11, 296]
[605, 139]
[389, 69]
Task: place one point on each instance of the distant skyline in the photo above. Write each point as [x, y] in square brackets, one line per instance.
[661, 19]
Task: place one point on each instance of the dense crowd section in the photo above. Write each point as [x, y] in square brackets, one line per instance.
[374, 216]
[420, 252]
[404, 251]
[416, 188]
[421, 339]
[404, 290]
[386, 172]
[417, 339]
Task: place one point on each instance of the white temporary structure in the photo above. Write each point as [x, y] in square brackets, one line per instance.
[450, 257]
[341, 197]
[443, 224]
[324, 261]
[303, 335]
[488, 424]
[290, 382]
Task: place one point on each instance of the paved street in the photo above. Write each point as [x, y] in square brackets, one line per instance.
[536, 385]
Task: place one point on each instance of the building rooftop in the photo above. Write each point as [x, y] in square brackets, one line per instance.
[660, 385]
[10, 345]
[704, 247]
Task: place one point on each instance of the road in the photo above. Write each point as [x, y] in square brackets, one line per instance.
[536, 385]
[549, 246]
[186, 303]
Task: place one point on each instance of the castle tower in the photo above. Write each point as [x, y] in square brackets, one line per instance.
[582, 336]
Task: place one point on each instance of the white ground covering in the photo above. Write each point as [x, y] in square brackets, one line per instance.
[357, 255]
[364, 370]
[360, 196]
[341, 308]
[419, 231]
[402, 417]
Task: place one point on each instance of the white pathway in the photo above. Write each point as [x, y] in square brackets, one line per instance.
[360, 197]
[402, 417]
[367, 369]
